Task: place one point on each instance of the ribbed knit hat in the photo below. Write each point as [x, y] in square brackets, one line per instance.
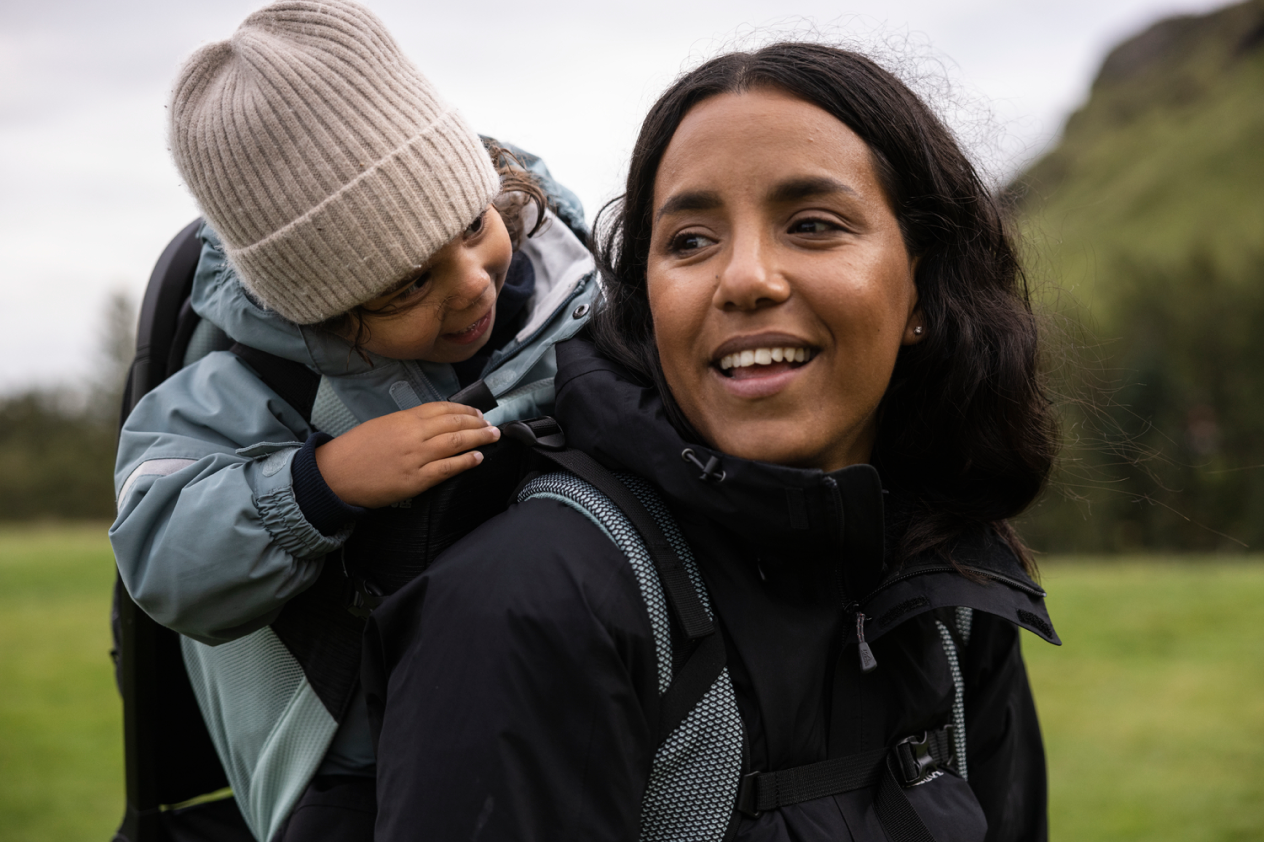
[326, 162]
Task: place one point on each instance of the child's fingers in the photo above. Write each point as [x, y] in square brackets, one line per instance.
[433, 473]
[447, 425]
[433, 410]
[451, 443]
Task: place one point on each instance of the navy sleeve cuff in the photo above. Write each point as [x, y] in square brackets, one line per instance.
[316, 500]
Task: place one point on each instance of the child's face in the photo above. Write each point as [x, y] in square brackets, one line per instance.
[445, 311]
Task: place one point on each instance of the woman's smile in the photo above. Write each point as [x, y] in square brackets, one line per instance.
[760, 366]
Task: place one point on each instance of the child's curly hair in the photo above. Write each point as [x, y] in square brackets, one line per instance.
[518, 188]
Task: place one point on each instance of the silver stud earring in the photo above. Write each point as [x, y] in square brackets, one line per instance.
[917, 331]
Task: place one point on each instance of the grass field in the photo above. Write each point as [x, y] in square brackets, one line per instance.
[1153, 710]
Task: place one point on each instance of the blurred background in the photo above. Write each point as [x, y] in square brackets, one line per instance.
[1127, 136]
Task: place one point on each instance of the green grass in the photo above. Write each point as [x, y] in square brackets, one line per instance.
[61, 745]
[1153, 710]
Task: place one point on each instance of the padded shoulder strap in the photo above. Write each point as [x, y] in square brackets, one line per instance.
[294, 382]
[697, 764]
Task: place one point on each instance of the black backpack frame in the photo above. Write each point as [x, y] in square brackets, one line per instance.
[169, 758]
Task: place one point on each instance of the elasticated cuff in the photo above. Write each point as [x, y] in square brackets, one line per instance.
[321, 507]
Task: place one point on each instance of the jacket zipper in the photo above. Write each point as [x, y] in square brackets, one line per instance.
[868, 663]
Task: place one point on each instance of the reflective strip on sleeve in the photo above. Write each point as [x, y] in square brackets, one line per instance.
[153, 468]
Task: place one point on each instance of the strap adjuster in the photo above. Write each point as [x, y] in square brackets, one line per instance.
[921, 755]
[543, 432]
[365, 598]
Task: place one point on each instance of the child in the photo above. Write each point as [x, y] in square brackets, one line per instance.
[359, 227]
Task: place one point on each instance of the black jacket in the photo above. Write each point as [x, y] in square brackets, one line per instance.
[519, 671]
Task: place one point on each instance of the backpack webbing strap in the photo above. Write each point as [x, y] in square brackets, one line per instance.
[896, 814]
[764, 791]
[910, 762]
[677, 587]
[294, 382]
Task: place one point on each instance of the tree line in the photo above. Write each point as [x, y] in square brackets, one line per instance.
[1162, 414]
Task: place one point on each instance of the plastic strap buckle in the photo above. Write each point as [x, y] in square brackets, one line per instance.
[543, 432]
[921, 755]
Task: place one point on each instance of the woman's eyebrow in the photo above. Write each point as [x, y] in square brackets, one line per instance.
[805, 188]
[689, 201]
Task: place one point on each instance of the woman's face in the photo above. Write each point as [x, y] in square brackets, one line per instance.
[778, 280]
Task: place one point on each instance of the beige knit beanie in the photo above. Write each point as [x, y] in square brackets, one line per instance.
[325, 161]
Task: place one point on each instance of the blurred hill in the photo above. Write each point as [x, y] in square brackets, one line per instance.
[1145, 236]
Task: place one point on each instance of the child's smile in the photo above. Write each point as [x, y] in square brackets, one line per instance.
[444, 312]
[474, 332]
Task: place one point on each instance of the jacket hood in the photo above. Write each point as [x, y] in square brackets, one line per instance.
[782, 510]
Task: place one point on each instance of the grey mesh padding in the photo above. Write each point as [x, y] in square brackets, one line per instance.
[269, 728]
[206, 338]
[329, 413]
[693, 782]
[965, 619]
[959, 697]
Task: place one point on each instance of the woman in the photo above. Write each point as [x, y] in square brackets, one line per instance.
[817, 348]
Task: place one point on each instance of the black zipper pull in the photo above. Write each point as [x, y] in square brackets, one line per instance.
[868, 663]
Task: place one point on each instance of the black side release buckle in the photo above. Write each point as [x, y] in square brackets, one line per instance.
[920, 756]
[365, 598]
[541, 432]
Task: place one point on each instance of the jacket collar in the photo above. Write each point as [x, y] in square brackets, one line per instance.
[781, 510]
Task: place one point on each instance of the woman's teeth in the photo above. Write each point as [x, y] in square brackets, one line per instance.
[764, 356]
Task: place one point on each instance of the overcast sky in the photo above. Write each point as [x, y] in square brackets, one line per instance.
[89, 196]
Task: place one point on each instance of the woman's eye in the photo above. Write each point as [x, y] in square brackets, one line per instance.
[475, 226]
[685, 243]
[813, 226]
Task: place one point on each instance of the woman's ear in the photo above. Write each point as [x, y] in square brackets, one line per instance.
[915, 327]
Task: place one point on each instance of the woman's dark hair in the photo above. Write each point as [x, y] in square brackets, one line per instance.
[966, 436]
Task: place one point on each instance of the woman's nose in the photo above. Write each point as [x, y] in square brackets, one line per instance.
[749, 280]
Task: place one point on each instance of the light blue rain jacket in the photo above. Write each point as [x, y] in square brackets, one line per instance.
[210, 541]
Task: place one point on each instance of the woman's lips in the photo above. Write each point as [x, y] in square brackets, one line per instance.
[472, 333]
[760, 381]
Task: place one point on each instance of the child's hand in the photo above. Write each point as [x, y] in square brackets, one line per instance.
[400, 455]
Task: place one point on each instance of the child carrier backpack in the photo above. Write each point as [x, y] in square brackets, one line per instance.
[172, 771]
